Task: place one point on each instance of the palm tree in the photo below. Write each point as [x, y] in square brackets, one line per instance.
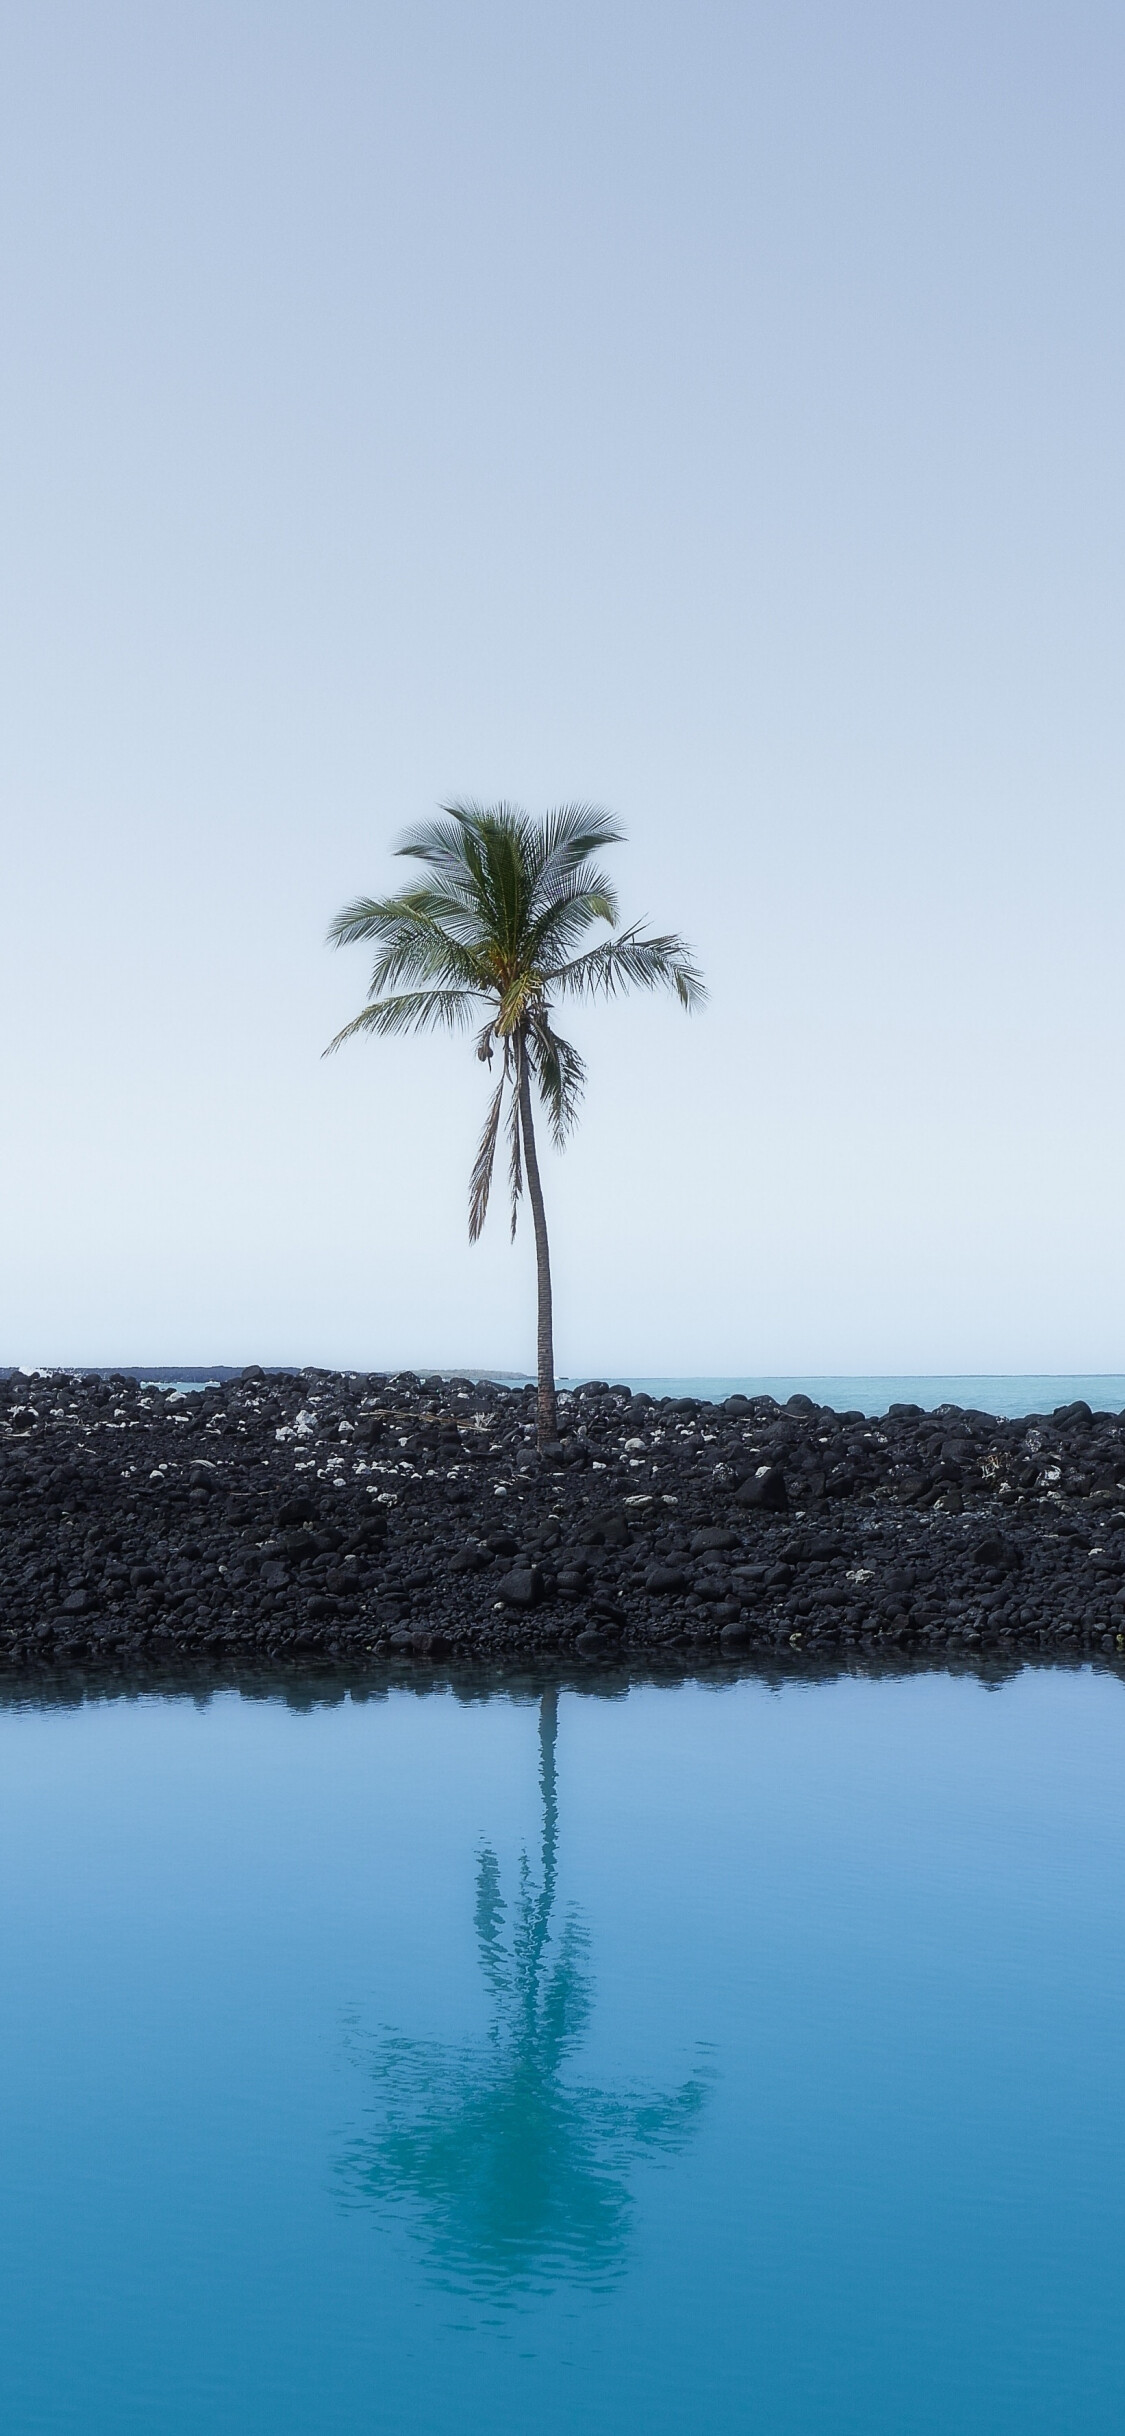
[498, 925]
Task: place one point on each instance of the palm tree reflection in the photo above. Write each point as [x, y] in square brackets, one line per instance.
[512, 2174]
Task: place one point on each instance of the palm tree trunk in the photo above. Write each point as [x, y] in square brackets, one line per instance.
[548, 1413]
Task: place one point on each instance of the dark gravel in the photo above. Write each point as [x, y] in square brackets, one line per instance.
[320, 1520]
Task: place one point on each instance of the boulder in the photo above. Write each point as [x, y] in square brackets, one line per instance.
[997, 1555]
[470, 1560]
[521, 1588]
[765, 1492]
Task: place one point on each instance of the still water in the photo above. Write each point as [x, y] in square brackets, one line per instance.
[697, 2059]
[1007, 1393]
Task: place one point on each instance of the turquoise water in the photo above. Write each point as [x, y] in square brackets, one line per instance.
[1010, 1393]
[1006, 1392]
[731, 2059]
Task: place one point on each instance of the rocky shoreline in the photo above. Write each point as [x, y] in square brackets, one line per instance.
[321, 1521]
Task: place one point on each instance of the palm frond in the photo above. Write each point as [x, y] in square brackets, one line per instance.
[374, 917]
[411, 1011]
[505, 844]
[484, 854]
[565, 839]
[630, 962]
[438, 960]
[451, 845]
[415, 943]
[460, 911]
[440, 843]
[560, 1074]
[583, 898]
[480, 1182]
[515, 1155]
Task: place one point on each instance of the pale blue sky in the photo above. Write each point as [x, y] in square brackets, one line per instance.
[714, 411]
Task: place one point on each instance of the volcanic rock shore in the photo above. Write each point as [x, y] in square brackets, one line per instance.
[368, 1520]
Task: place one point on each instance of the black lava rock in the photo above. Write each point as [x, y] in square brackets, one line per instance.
[766, 1490]
[523, 1588]
[292, 1519]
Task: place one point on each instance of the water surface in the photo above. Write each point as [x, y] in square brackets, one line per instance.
[1007, 1393]
[719, 2058]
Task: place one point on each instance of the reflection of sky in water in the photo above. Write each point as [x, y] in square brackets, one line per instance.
[513, 2171]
